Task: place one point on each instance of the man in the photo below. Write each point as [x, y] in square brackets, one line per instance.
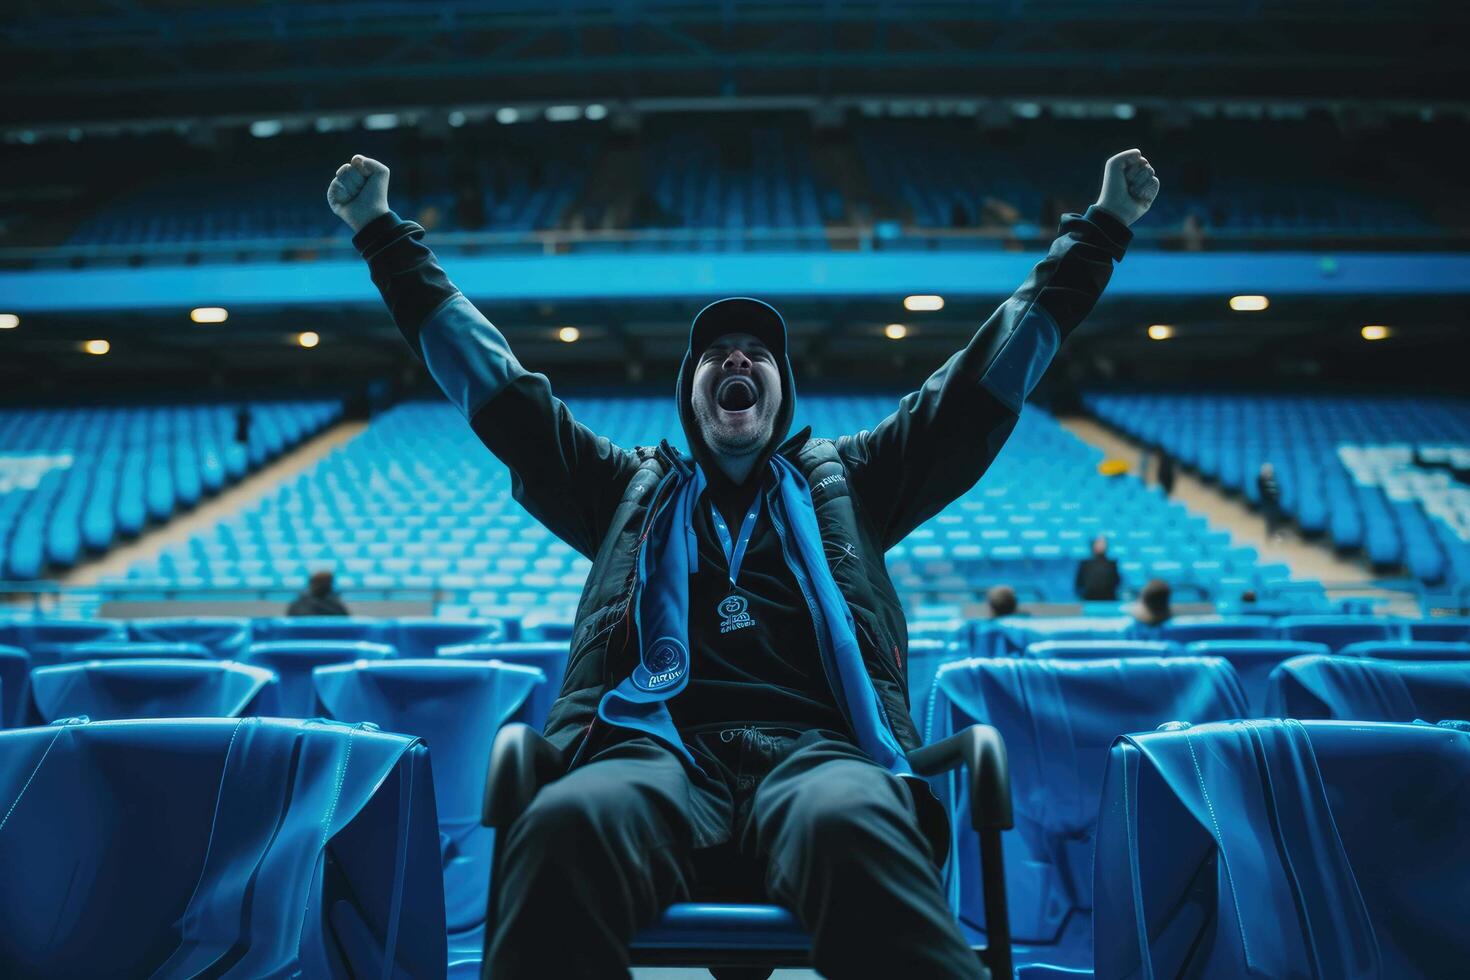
[1097, 577]
[318, 599]
[1001, 601]
[733, 714]
[1270, 493]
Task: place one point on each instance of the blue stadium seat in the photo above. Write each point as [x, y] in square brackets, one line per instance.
[1192, 629]
[1012, 635]
[1254, 660]
[15, 672]
[104, 690]
[1447, 630]
[1284, 848]
[293, 696]
[130, 650]
[321, 628]
[44, 638]
[422, 637]
[1362, 689]
[1101, 649]
[247, 848]
[456, 707]
[1408, 650]
[1338, 631]
[1058, 718]
[225, 636]
[548, 657]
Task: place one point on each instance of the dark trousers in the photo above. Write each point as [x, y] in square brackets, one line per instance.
[804, 820]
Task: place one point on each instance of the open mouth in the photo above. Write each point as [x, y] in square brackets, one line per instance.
[736, 393]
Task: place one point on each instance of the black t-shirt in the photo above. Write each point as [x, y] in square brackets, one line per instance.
[1097, 579]
[758, 664]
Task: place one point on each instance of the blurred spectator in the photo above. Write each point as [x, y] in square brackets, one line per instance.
[318, 599]
[1192, 233]
[1270, 493]
[1248, 597]
[1097, 577]
[1152, 609]
[242, 425]
[1002, 602]
[1166, 472]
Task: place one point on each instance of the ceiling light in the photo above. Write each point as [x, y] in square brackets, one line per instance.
[209, 314]
[1160, 331]
[98, 347]
[309, 338]
[568, 335]
[9, 321]
[918, 304]
[895, 331]
[1375, 332]
[1249, 304]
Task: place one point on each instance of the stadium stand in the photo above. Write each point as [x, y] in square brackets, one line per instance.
[1383, 476]
[1330, 872]
[73, 480]
[417, 502]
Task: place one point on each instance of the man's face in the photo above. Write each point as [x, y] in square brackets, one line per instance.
[1100, 547]
[737, 391]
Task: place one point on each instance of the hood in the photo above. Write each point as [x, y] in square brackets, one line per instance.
[737, 314]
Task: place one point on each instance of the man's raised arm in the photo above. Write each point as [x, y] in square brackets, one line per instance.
[567, 477]
[943, 437]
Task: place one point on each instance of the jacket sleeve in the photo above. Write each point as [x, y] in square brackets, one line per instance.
[943, 437]
[567, 477]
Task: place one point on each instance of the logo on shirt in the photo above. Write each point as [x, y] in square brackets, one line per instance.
[733, 615]
[828, 481]
[665, 662]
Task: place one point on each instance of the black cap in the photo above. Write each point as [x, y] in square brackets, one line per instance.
[739, 314]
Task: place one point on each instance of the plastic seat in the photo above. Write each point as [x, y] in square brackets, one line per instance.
[320, 628]
[1254, 660]
[15, 672]
[1408, 650]
[415, 637]
[1338, 631]
[1360, 689]
[1058, 718]
[1447, 630]
[202, 844]
[456, 707]
[549, 658]
[128, 650]
[225, 636]
[105, 690]
[1101, 649]
[1011, 635]
[293, 696]
[1192, 629]
[1285, 848]
[43, 638]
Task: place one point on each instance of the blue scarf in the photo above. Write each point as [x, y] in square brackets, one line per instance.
[668, 558]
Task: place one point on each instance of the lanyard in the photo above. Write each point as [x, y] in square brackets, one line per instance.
[735, 553]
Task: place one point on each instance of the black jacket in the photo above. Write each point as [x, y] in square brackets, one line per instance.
[869, 489]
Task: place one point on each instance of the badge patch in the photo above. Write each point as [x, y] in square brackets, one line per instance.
[733, 614]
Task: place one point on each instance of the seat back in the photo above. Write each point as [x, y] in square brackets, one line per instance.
[1101, 649]
[320, 628]
[1285, 848]
[1058, 718]
[1011, 635]
[423, 636]
[43, 638]
[1254, 660]
[1362, 689]
[112, 689]
[214, 845]
[1409, 650]
[226, 637]
[1338, 631]
[1192, 629]
[456, 707]
[129, 650]
[548, 657]
[293, 661]
[1450, 629]
[15, 672]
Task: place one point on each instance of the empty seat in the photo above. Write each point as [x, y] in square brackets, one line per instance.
[1448, 630]
[1408, 650]
[422, 637]
[293, 696]
[250, 848]
[1254, 660]
[225, 636]
[1012, 635]
[1338, 631]
[549, 658]
[1058, 718]
[129, 650]
[456, 706]
[1361, 689]
[1285, 848]
[112, 689]
[43, 638]
[319, 628]
[1101, 649]
[1191, 629]
[15, 671]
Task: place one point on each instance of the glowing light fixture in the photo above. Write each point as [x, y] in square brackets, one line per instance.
[9, 321]
[209, 314]
[1375, 332]
[308, 338]
[569, 335]
[1160, 331]
[895, 331]
[505, 115]
[596, 111]
[923, 304]
[98, 347]
[266, 128]
[1249, 304]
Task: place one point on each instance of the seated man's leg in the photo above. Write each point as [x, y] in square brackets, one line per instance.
[846, 855]
[598, 854]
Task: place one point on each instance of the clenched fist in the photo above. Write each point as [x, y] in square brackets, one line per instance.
[1129, 186]
[359, 192]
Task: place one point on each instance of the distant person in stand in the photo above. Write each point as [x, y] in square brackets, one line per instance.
[1270, 492]
[242, 425]
[1001, 600]
[1097, 577]
[318, 599]
[1166, 473]
[1152, 610]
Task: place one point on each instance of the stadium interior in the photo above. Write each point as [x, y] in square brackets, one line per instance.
[204, 404]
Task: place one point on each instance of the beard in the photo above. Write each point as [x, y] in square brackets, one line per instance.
[739, 435]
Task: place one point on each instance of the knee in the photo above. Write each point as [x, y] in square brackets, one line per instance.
[557, 824]
[843, 816]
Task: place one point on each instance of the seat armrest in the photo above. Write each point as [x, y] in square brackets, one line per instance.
[521, 762]
[982, 751]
